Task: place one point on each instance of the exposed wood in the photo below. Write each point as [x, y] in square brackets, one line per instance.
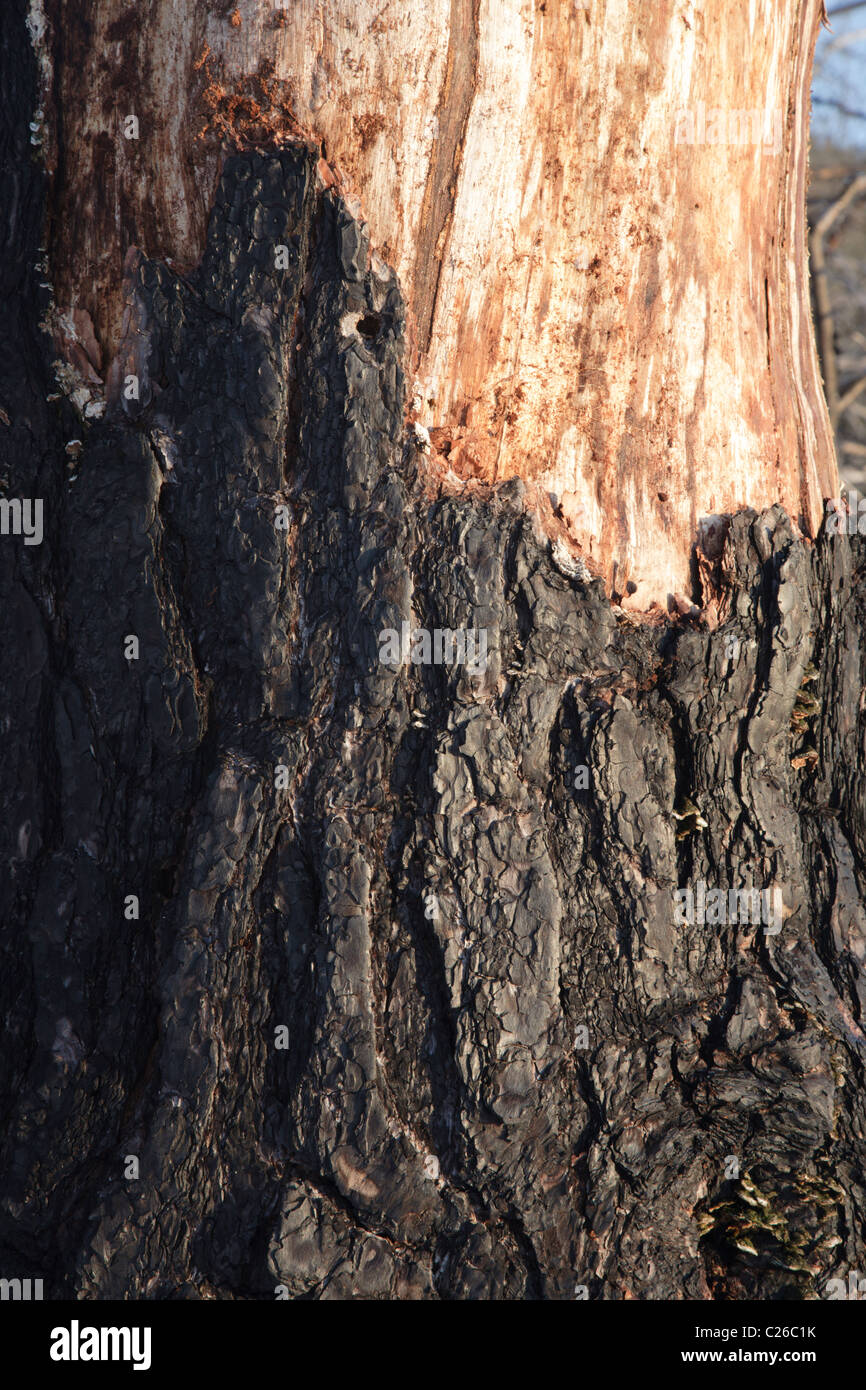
[596, 304]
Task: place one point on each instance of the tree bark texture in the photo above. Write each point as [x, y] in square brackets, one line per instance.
[596, 213]
[510, 1072]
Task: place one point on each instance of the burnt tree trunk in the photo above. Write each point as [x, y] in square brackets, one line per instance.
[336, 978]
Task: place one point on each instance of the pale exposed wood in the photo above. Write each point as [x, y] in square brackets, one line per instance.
[619, 315]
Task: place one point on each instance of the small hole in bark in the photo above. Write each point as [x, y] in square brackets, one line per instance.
[369, 325]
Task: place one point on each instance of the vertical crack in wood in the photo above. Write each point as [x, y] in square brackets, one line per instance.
[458, 91]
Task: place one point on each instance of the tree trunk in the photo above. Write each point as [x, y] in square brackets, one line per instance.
[332, 972]
[596, 214]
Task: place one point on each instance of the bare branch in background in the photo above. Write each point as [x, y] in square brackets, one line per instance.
[839, 106]
[849, 397]
[844, 40]
[822, 297]
[835, 45]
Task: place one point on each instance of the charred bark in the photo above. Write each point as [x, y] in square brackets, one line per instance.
[510, 1071]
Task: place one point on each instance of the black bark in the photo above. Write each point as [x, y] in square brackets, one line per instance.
[400, 867]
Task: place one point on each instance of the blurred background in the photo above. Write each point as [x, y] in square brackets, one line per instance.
[837, 222]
